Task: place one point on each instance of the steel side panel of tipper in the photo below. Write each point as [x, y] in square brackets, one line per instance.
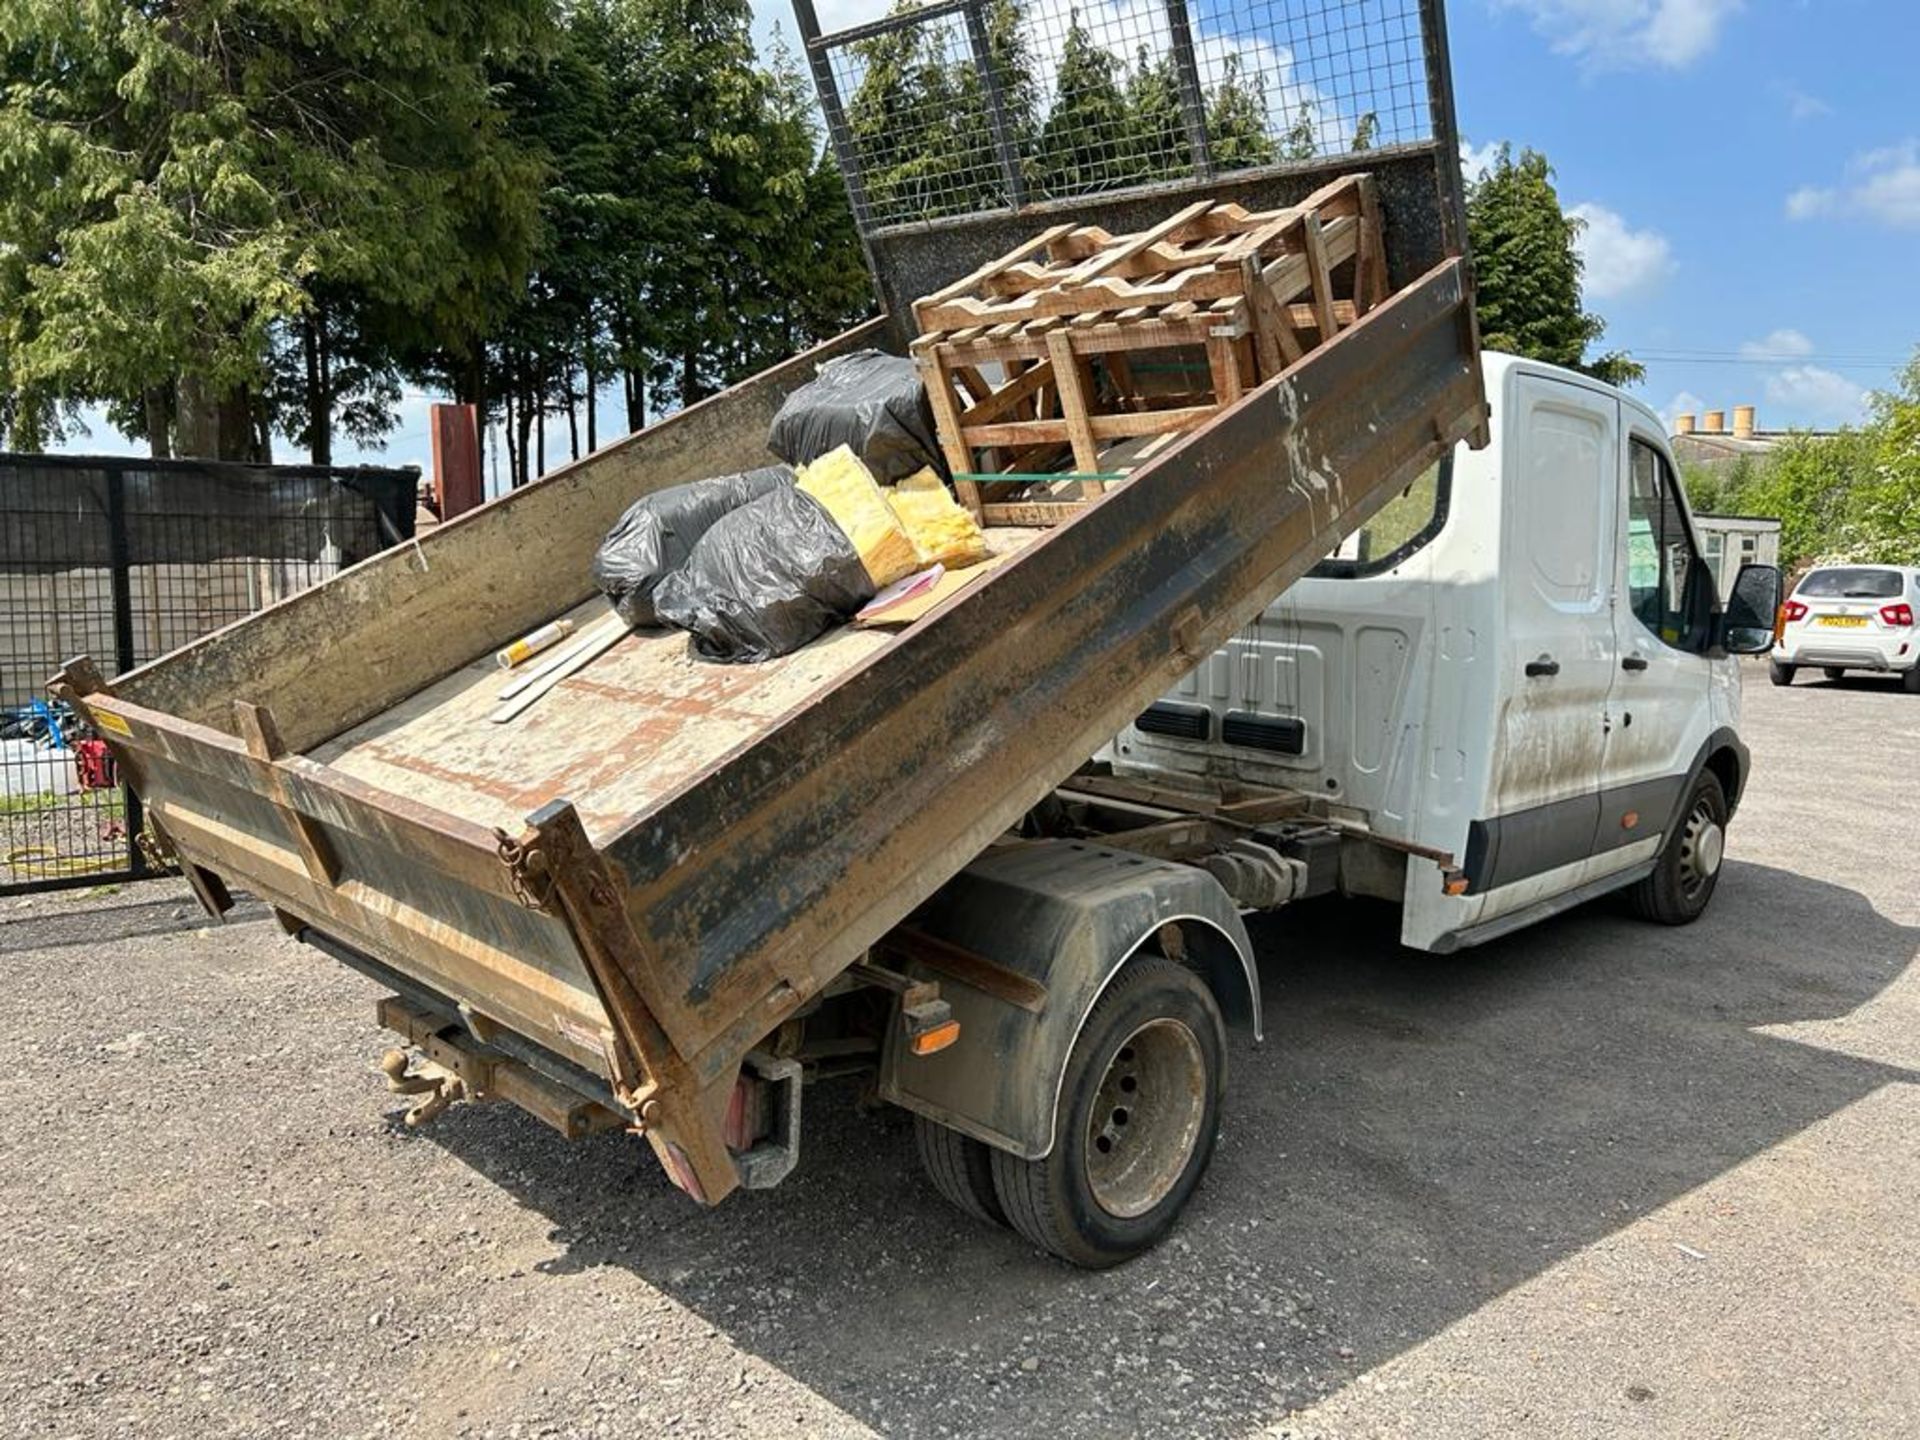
[766, 876]
[212, 738]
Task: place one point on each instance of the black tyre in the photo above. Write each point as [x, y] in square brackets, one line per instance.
[960, 1169]
[1135, 1124]
[1688, 870]
[1833, 672]
[1910, 680]
[1779, 674]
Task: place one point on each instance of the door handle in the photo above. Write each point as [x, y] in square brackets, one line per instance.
[1546, 665]
[1634, 662]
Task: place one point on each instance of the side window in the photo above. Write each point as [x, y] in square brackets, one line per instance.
[1397, 531]
[1664, 575]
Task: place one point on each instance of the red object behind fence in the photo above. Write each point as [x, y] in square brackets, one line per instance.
[94, 764]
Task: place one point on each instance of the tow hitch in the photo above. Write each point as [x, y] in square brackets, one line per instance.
[455, 1065]
[440, 1086]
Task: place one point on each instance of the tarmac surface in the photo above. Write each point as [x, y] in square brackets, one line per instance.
[1601, 1178]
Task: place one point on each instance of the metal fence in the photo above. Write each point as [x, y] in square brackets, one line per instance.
[971, 106]
[125, 560]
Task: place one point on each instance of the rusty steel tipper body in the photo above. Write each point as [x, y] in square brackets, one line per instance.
[607, 909]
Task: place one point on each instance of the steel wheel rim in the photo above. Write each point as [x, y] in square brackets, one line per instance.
[1146, 1118]
[1702, 848]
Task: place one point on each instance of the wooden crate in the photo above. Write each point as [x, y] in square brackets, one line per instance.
[1251, 291]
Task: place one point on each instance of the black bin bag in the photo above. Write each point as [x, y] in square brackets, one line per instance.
[765, 580]
[869, 400]
[659, 531]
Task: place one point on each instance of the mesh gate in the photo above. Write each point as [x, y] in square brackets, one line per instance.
[125, 560]
[972, 106]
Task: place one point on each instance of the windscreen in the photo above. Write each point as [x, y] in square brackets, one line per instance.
[1852, 584]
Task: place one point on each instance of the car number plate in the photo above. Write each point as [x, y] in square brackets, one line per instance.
[1844, 622]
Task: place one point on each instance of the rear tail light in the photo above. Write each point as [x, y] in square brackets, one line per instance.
[1899, 616]
[1795, 612]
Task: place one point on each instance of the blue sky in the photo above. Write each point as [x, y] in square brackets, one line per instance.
[1749, 171]
[1750, 174]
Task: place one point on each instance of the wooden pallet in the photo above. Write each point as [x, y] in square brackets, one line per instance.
[1250, 291]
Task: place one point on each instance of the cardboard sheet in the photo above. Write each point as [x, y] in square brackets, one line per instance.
[951, 583]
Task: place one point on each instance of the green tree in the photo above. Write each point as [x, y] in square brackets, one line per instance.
[1808, 483]
[173, 178]
[1237, 133]
[549, 351]
[811, 281]
[1083, 143]
[1302, 140]
[733, 173]
[334, 368]
[920, 120]
[1885, 509]
[1527, 270]
[1156, 145]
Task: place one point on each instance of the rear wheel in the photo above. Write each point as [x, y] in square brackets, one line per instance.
[1135, 1124]
[960, 1167]
[1833, 672]
[1910, 680]
[1688, 870]
[1779, 674]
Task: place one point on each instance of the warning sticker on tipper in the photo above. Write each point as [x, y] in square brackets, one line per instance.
[112, 724]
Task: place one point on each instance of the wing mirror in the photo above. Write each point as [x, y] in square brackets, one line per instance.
[1747, 626]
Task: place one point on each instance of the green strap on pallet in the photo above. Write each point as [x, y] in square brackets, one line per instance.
[1017, 477]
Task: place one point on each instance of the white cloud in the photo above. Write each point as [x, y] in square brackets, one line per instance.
[1477, 161]
[1802, 106]
[1890, 189]
[1821, 396]
[1620, 261]
[1671, 34]
[1685, 403]
[1881, 185]
[1810, 202]
[1780, 345]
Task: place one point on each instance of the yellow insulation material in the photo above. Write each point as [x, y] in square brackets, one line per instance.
[858, 506]
[942, 530]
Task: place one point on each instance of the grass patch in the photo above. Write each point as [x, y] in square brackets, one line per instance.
[108, 804]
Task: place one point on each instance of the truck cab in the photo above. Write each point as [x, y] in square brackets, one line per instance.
[1519, 662]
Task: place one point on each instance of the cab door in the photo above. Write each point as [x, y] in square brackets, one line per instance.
[1661, 703]
[1558, 538]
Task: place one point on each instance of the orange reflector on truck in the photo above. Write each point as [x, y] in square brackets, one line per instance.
[929, 1042]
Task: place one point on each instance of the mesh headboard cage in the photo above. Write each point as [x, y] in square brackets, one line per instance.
[983, 121]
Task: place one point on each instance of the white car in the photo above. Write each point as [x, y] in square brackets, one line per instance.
[1852, 617]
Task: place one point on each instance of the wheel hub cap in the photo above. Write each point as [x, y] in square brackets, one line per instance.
[1702, 847]
[1146, 1118]
[1710, 847]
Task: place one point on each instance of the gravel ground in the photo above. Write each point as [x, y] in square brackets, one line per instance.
[1600, 1178]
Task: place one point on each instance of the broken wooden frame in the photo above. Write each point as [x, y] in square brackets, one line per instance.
[1251, 291]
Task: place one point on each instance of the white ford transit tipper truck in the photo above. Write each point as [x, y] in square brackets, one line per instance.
[674, 893]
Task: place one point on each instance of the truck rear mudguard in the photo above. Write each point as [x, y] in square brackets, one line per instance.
[1022, 943]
